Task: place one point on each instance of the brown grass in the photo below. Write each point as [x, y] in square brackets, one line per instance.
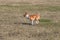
[13, 26]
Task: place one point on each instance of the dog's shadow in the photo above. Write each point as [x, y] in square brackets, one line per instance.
[23, 23]
[26, 23]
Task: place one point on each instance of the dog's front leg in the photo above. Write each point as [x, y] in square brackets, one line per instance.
[32, 22]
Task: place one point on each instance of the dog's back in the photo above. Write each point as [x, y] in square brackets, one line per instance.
[34, 17]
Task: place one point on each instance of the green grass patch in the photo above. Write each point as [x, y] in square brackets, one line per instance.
[45, 20]
[48, 22]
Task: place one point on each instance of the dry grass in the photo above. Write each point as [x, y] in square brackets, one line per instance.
[45, 2]
[13, 26]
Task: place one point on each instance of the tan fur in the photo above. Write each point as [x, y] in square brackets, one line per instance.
[34, 17]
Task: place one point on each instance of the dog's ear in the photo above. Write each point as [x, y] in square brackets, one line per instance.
[25, 14]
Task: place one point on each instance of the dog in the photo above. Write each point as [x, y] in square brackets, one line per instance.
[32, 18]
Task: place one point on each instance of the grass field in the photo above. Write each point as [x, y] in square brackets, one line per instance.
[13, 26]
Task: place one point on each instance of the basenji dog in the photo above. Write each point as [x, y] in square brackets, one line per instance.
[33, 17]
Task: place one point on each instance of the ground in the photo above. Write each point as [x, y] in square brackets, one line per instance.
[13, 26]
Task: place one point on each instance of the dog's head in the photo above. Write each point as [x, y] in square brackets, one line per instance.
[25, 14]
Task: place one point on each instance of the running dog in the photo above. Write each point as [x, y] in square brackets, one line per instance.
[32, 18]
